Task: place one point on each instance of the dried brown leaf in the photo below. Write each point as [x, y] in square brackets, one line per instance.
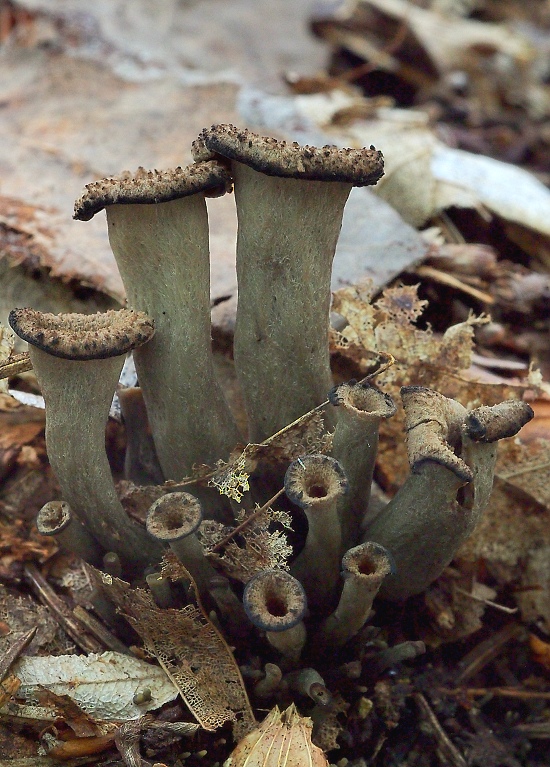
[190, 650]
[421, 359]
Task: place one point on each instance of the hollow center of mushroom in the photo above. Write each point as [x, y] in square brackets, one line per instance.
[172, 520]
[317, 491]
[366, 566]
[276, 605]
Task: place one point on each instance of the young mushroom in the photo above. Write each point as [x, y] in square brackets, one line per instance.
[425, 523]
[361, 407]
[158, 231]
[290, 201]
[275, 602]
[77, 360]
[175, 518]
[364, 567]
[317, 484]
[55, 518]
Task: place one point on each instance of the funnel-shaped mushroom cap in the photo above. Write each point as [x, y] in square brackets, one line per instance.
[369, 560]
[433, 424]
[489, 424]
[274, 600]
[53, 517]
[174, 516]
[148, 187]
[358, 167]
[363, 399]
[83, 336]
[315, 480]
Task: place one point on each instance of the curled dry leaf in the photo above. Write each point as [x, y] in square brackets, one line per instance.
[283, 738]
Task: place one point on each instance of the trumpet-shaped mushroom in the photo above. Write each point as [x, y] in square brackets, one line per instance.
[290, 201]
[364, 567]
[56, 519]
[275, 602]
[77, 360]
[158, 230]
[175, 518]
[317, 483]
[424, 525]
[361, 407]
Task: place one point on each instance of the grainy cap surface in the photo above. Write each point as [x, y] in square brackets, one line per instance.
[83, 336]
[53, 517]
[360, 167]
[147, 187]
[368, 560]
[174, 516]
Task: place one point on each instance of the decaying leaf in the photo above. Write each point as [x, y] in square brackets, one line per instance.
[421, 358]
[7, 340]
[190, 650]
[283, 738]
[102, 685]
[261, 547]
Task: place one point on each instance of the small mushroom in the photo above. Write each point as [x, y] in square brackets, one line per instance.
[77, 360]
[55, 518]
[290, 201]
[175, 518]
[361, 407]
[317, 484]
[158, 230]
[308, 681]
[364, 568]
[425, 523]
[275, 602]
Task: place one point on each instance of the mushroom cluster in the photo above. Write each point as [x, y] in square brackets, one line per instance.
[290, 200]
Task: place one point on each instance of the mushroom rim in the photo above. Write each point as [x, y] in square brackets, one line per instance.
[357, 167]
[32, 326]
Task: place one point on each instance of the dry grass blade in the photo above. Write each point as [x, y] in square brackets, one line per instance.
[18, 363]
[14, 652]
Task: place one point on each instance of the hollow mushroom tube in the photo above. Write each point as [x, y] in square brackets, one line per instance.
[276, 603]
[175, 519]
[317, 483]
[364, 568]
[361, 407]
[56, 519]
[290, 201]
[77, 360]
[425, 524]
[158, 231]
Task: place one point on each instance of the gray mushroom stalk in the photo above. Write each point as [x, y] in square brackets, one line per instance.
[290, 201]
[317, 483]
[77, 360]
[424, 525]
[158, 230]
